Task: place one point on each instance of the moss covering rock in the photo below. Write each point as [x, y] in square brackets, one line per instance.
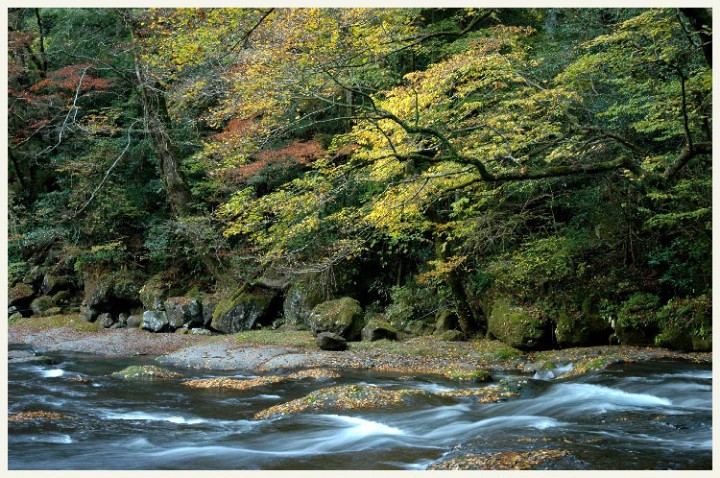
[378, 329]
[42, 304]
[300, 299]
[581, 327]
[342, 316]
[343, 398]
[20, 295]
[686, 324]
[243, 310]
[521, 326]
[183, 311]
[637, 322]
[144, 372]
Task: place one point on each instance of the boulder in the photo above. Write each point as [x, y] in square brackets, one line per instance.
[574, 328]
[342, 316]
[450, 336]
[113, 293]
[418, 327]
[20, 295]
[300, 299]
[154, 321]
[122, 318]
[153, 294]
[686, 324]
[134, 321]
[244, 309]
[52, 311]
[330, 341]
[637, 322]
[445, 320]
[15, 316]
[183, 311]
[200, 331]
[63, 297]
[521, 326]
[41, 304]
[53, 283]
[105, 320]
[377, 329]
[34, 276]
[208, 304]
[145, 372]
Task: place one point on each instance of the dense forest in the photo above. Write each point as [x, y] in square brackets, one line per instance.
[539, 176]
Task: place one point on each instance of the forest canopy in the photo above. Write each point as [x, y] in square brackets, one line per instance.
[543, 167]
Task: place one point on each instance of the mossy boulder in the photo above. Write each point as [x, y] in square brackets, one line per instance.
[300, 299]
[41, 304]
[145, 372]
[345, 398]
[581, 327]
[637, 321]
[378, 329]
[114, 293]
[53, 283]
[419, 327]
[244, 310]
[342, 316]
[445, 320]
[154, 293]
[20, 295]
[183, 311]
[686, 324]
[63, 297]
[52, 311]
[450, 336]
[524, 327]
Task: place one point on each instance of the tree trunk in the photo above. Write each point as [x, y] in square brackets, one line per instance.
[699, 18]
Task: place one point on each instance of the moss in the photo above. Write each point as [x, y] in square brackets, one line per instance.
[19, 292]
[145, 372]
[71, 321]
[288, 338]
[637, 322]
[522, 327]
[342, 316]
[478, 375]
[686, 324]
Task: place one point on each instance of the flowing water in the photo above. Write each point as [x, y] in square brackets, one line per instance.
[637, 416]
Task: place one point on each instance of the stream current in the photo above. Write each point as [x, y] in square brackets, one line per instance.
[634, 416]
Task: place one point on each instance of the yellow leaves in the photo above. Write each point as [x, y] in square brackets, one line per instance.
[438, 269]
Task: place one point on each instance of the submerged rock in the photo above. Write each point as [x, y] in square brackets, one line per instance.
[145, 372]
[343, 398]
[37, 415]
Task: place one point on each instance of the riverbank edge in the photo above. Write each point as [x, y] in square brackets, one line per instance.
[421, 355]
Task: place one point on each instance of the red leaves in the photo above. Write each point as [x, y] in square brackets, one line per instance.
[68, 78]
[297, 153]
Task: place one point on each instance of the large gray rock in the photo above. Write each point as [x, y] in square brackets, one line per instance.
[153, 294]
[183, 311]
[154, 321]
[20, 295]
[110, 293]
[300, 299]
[342, 316]
[208, 305]
[243, 310]
[134, 321]
[330, 341]
[105, 320]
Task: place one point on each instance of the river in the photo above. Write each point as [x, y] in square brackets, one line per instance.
[653, 415]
